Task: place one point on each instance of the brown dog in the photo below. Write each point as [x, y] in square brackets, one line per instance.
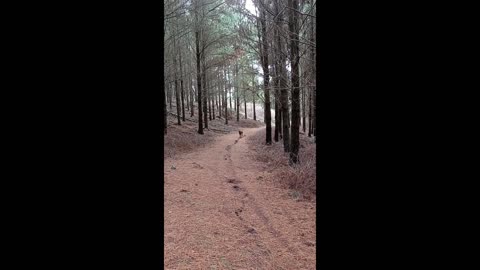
[240, 133]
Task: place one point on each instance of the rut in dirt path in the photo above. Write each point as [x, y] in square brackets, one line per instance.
[219, 215]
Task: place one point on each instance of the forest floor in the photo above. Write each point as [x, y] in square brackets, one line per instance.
[222, 213]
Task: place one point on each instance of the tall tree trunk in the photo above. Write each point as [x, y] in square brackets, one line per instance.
[164, 93]
[177, 101]
[177, 92]
[205, 107]
[314, 89]
[222, 92]
[220, 95]
[280, 130]
[209, 98]
[237, 99]
[165, 110]
[254, 110]
[170, 95]
[187, 83]
[226, 105]
[309, 112]
[276, 87]
[278, 126]
[294, 59]
[254, 92]
[283, 91]
[230, 97]
[217, 95]
[192, 98]
[304, 125]
[268, 117]
[199, 83]
[212, 96]
[181, 83]
[245, 102]
[215, 98]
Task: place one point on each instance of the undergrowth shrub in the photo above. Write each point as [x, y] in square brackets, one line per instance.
[298, 177]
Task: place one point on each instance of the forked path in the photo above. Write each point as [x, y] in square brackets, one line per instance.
[221, 214]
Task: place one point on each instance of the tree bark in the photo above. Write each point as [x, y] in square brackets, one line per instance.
[177, 92]
[192, 98]
[164, 96]
[225, 96]
[199, 83]
[204, 79]
[209, 97]
[245, 102]
[254, 110]
[187, 93]
[181, 84]
[283, 91]
[304, 126]
[314, 89]
[165, 110]
[237, 99]
[268, 117]
[216, 98]
[230, 96]
[278, 126]
[294, 60]
[170, 95]
[310, 112]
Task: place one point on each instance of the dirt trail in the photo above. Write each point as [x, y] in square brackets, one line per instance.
[221, 214]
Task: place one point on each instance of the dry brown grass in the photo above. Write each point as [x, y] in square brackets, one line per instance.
[300, 178]
[219, 214]
[245, 123]
[183, 139]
